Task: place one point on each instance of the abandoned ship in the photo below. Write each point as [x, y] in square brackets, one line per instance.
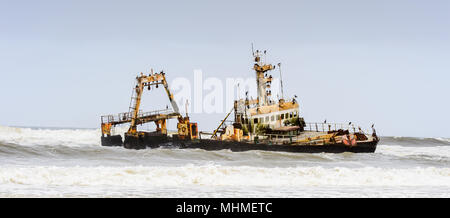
[253, 124]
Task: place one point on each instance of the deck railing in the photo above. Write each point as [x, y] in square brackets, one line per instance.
[126, 117]
[325, 127]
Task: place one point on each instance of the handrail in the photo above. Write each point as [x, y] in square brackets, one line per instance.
[126, 116]
[325, 127]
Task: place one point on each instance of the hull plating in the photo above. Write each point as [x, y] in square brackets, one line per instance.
[213, 145]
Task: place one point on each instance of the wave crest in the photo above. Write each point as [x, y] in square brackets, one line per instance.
[66, 137]
[213, 175]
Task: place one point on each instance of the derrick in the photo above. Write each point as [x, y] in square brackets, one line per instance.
[186, 129]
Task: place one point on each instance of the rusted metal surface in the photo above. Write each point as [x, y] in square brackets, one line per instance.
[134, 117]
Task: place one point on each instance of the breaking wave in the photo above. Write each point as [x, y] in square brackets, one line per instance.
[71, 162]
[437, 152]
[35, 142]
[66, 137]
[216, 175]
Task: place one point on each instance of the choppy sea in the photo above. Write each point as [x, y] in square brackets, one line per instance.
[39, 162]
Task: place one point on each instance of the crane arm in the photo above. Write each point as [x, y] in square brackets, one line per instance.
[214, 135]
[170, 95]
[148, 81]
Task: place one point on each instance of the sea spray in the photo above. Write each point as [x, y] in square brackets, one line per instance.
[41, 162]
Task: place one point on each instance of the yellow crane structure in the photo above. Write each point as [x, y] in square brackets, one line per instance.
[186, 129]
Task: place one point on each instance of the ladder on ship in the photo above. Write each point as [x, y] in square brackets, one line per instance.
[133, 99]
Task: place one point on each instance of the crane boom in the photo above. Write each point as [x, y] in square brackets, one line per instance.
[149, 81]
[214, 135]
[170, 95]
[186, 129]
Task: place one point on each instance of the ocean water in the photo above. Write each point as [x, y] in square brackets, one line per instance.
[71, 163]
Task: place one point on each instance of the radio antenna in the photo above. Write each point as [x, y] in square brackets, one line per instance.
[253, 51]
[186, 105]
[281, 81]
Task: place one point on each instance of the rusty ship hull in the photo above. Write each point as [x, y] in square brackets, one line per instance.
[162, 141]
[212, 145]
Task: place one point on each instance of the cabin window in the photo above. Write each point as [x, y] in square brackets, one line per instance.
[272, 118]
[278, 117]
[286, 115]
[260, 120]
[291, 115]
[282, 116]
[255, 120]
[267, 119]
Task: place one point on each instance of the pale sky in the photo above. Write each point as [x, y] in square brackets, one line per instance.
[65, 63]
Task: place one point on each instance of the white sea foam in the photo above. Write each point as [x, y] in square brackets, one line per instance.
[66, 137]
[443, 139]
[402, 151]
[395, 170]
[213, 175]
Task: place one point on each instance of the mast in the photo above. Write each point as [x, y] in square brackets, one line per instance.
[263, 81]
[281, 82]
